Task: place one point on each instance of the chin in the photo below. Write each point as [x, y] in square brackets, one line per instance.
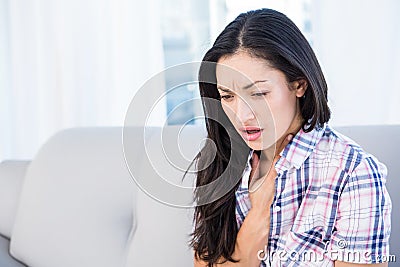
[262, 144]
[254, 147]
[257, 145]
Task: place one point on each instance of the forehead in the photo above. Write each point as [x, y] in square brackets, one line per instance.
[241, 69]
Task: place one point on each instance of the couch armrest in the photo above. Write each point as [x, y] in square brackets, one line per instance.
[12, 175]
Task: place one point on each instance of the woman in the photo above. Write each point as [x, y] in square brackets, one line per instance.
[299, 193]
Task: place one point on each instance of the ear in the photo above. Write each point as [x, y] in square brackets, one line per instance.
[300, 86]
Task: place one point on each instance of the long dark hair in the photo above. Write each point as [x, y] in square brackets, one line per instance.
[266, 34]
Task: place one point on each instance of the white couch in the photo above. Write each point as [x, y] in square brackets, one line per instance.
[76, 205]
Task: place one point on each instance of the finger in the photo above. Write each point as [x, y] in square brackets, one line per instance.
[256, 184]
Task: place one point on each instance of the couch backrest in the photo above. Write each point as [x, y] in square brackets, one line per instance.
[381, 141]
[12, 175]
[162, 228]
[80, 206]
[76, 206]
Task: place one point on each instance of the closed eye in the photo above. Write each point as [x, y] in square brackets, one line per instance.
[260, 94]
[226, 97]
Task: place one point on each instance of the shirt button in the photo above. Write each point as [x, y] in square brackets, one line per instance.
[278, 208]
[276, 237]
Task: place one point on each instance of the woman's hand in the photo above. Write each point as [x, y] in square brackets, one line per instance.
[262, 189]
[253, 234]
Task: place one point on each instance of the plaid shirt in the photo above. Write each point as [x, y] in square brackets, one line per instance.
[330, 203]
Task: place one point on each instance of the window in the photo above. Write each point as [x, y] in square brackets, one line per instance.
[187, 35]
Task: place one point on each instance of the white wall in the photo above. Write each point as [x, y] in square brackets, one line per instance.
[358, 45]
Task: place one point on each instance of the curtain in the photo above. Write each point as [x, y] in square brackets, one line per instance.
[72, 63]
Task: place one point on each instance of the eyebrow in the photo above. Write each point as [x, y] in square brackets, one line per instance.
[244, 88]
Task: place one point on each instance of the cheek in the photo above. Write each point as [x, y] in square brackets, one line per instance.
[230, 113]
[283, 109]
[264, 112]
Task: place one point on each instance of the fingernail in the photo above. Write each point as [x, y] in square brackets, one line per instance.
[290, 136]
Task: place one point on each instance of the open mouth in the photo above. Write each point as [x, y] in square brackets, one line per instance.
[251, 133]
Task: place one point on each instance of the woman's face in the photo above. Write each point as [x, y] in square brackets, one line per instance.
[257, 99]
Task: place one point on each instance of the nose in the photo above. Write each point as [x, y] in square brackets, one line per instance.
[244, 111]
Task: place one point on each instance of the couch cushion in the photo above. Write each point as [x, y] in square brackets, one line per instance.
[76, 204]
[6, 260]
[162, 225]
[12, 174]
[80, 205]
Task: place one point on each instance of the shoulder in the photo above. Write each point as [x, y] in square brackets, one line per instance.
[343, 152]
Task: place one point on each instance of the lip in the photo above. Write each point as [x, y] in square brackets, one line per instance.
[250, 136]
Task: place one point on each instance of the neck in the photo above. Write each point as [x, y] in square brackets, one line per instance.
[293, 129]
